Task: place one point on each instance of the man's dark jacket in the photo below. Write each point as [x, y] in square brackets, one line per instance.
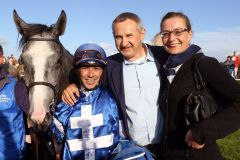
[113, 79]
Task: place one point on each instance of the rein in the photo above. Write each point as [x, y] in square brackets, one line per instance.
[52, 149]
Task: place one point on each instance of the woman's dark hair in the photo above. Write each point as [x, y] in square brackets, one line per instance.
[177, 14]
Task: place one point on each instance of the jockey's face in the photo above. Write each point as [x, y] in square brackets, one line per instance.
[90, 76]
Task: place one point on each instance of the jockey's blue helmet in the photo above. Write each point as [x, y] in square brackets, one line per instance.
[89, 54]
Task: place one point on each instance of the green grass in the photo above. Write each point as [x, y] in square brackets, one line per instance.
[230, 146]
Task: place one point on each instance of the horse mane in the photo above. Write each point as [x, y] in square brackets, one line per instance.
[33, 29]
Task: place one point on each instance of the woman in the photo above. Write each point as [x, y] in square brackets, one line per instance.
[229, 65]
[236, 61]
[195, 141]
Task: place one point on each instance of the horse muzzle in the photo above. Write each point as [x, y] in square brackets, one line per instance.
[40, 126]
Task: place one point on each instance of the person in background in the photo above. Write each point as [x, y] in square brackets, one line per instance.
[134, 76]
[195, 141]
[14, 106]
[20, 72]
[10, 69]
[90, 129]
[10, 59]
[13, 61]
[2, 58]
[236, 60]
[157, 40]
[1, 55]
[229, 65]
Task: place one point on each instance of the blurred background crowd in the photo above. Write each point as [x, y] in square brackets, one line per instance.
[232, 65]
[11, 64]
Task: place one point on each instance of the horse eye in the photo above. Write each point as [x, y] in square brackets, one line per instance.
[59, 61]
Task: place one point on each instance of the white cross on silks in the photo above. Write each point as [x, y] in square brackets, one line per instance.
[89, 143]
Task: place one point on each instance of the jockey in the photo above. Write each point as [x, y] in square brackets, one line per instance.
[90, 128]
[13, 103]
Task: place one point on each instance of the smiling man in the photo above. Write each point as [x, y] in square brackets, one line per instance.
[90, 128]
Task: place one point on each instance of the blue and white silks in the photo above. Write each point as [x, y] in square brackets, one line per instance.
[90, 127]
[12, 130]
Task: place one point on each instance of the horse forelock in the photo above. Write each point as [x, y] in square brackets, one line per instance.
[33, 30]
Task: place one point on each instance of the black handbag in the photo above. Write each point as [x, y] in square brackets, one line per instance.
[199, 105]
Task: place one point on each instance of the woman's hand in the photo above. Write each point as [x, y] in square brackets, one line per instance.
[191, 142]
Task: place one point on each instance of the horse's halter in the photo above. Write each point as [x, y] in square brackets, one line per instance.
[36, 137]
[54, 101]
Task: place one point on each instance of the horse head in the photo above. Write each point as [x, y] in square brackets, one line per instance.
[46, 67]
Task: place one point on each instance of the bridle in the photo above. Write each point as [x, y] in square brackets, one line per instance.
[38, 137]
[54, 101]
[43, 83]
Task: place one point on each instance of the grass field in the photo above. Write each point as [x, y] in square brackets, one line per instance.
[230, 146]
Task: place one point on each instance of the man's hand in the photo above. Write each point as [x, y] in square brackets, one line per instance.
[68, 95]
[28, 138]
[191, 142]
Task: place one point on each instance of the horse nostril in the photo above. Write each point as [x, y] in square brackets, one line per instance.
[46, 122]
[32, 124]
[40, 127]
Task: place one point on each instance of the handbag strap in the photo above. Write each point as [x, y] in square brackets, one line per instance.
[197, 76]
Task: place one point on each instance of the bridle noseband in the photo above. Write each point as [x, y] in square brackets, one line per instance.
[54, 102]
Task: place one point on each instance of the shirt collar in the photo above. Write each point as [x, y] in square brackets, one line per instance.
[147, 57]
[89, 94]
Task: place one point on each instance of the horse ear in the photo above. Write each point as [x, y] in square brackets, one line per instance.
[60, 25]
[20, 24]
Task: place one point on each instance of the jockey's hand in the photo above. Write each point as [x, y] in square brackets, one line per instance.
[191, 142]
[68, 95]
